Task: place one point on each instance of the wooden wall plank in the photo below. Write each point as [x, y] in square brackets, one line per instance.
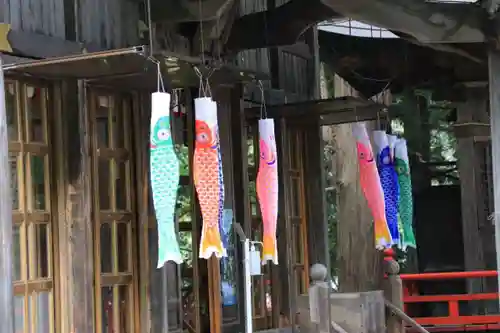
[4, 11]
[44, 17]
[75, 232]
[110, 23]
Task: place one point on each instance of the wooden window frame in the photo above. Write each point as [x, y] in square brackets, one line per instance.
[114, 215]
[27, 217]
[300, 261]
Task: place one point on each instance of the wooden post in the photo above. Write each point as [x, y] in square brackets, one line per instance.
[393, 292]
[6, 297]
[473, 217]
[494, 90]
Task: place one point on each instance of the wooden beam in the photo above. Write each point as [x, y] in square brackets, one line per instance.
[278, 26]
[36, 45]
[187, 10]
[315, 107]
[471, 130]
[373, 112]
[6, 264]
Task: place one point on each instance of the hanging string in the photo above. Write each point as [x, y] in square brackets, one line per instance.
[263, 108]
[147, 4]
[160, 86]
[202, 37]
[219, 51]
[204, 85]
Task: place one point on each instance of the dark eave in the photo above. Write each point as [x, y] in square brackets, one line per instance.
[372, 64]
[278, 26]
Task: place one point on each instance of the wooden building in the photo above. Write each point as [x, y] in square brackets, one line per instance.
[78, 84]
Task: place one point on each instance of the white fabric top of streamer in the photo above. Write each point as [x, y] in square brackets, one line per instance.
[206, 110]
[380, 141]
[160, 106]
[361, 134]
[401, 150]
[266, 130]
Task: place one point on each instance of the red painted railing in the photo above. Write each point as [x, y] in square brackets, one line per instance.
[454, 321]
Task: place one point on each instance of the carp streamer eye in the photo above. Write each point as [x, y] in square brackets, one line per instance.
[163, 134]
[362, 155]
[202, 137]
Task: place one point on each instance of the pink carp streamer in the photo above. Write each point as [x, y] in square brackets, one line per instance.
[372, 188]
[267, 189]
[208, 176]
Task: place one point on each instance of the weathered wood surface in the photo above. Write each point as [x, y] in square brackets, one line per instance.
[474, 218]
[110, 23]
[257, 59]
[44, 17]
[494, 97]
[6, 298]
[282, 25]
[75, 235]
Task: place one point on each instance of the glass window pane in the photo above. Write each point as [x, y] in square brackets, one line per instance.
[19, 313]
[14, 179]
[229, 282]
[121, 185]
[107, 309]
[102, 121]
[16, 252]
[295, 196]
[183, 155]
[124, 309]
[42, 312]
[12, 112]
[38, 182]
[35, 113]
[104, 184]
[297, 237]
[165, 284]
[106, 253]
[257, 296]
[41, 250]
[251, 152]
[299, 281]
[119, 127]
[252, 193]
[123, 250]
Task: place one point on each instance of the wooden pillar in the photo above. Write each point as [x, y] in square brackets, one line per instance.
[315, 194]
[474, 110]
[494, 94]
[6, 297]
[75, 227]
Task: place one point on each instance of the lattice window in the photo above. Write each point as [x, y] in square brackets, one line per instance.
[297, 211]
[115, 229]
[27, 113]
